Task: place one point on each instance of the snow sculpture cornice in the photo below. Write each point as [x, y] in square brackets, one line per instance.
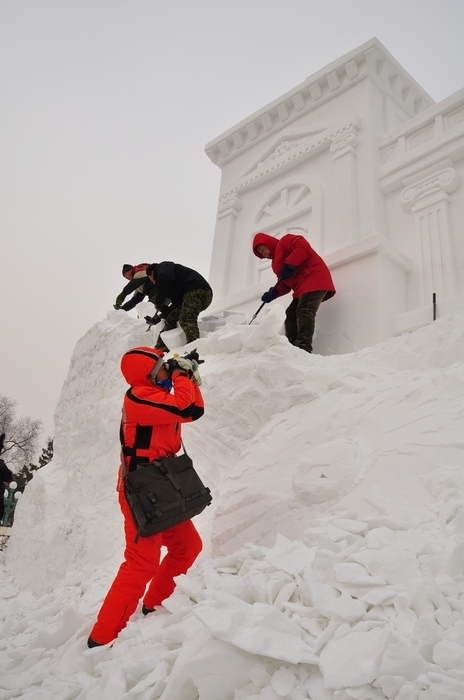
[293, 146]
[371, 60]
[434, 135]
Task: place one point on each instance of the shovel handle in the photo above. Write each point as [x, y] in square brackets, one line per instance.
[257, 312]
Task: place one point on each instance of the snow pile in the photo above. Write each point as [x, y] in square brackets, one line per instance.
[334, 550]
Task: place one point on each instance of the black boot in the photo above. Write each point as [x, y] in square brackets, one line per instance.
[147, 610]
[91, 643]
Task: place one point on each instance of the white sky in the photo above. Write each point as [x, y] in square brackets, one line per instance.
[106, 108]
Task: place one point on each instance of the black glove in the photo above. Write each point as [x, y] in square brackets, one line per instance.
[287, 271]
[153, 320]
[119, 301]
[193, 355]
[163, 310]
[270, 295]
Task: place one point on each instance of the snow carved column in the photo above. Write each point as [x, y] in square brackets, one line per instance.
[346, 195]
[428, 198]
[228, 210]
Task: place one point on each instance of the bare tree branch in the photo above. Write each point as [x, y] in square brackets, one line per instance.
[21, 435]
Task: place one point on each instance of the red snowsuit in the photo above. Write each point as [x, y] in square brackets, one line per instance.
[310, 281]
[150, 428]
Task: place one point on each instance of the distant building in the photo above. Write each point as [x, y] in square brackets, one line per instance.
[361, 161]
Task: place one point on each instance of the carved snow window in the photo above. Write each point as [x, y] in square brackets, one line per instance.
[287, 209]
[288, 202]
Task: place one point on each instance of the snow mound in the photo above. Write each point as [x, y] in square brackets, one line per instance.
[334, 559]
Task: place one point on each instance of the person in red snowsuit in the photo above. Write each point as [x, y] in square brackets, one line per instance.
[298, 268]
[150, 428]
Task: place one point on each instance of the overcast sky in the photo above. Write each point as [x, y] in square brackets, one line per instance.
[106, 107]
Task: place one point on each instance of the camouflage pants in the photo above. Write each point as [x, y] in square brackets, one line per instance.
[300, 318]
[187, 315]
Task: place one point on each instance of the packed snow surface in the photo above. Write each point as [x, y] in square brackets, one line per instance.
[333, 566]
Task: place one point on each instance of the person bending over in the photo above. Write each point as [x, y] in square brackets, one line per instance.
[180, 296]
[138, 285]
[299, 269]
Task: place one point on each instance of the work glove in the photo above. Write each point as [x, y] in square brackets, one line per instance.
[287, 271]
[153, 320]
[193, 355]
[179, 364]
[270, 295]
[163, 310]
[182, 364]
[119, 301]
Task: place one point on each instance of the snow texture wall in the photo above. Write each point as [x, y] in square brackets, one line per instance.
[337, 529]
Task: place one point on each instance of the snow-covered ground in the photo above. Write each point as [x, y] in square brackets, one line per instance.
[333, 566]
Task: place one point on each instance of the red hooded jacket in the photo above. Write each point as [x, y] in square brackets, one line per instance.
[311, 273]
[151, 415]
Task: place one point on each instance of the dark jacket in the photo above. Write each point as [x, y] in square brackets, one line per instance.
[6, 475]
[141, 285]
[173, 281]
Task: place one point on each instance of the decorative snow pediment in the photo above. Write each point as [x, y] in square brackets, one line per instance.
[293, 146]
[371, 60]
[286, 142]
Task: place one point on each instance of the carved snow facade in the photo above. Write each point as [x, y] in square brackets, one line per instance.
[363, 163]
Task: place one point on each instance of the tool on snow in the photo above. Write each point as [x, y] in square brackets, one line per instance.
[257, 312]
[152, 321]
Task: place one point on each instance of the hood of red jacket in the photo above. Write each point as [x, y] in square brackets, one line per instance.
[267, 240]
[137, 363]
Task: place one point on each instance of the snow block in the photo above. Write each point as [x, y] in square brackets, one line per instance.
[400, 660]
[219, 665]
[209, 324]
[425, 635]
[355, 659]
[231, 342]
[269, 327]
[449, 655]
[258, 629]
[348, 608]
[174, 338]
[145, 308]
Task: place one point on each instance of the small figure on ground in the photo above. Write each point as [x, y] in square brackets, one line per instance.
[299, 268]
[181, 294]
[138, 285]
[150, 428]
[6, 477]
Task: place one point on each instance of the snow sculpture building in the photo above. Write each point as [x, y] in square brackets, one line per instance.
[360, 160]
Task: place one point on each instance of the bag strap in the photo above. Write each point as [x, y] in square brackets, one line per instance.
[123, 464]
[183, 447]
[125, 449]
